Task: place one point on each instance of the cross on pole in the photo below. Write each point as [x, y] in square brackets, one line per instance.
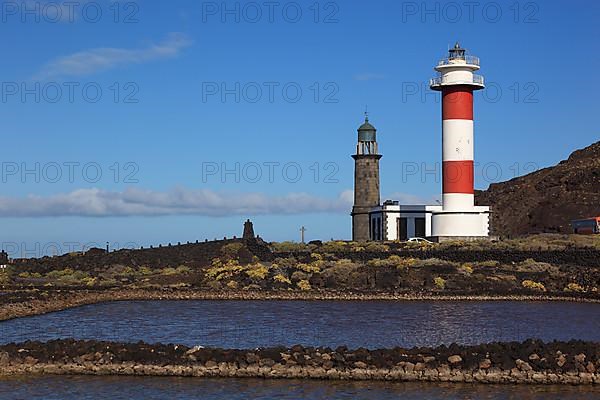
[302, 231]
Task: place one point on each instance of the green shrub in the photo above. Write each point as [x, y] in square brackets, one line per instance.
[530, 265]
[529, 284]
[304, 285]
[316, 257]
[67, 276]
[284, 263]
[345, 263]
[89, 281]
[488, 264]
[168, 271]
[433, 262]
[231, 249]
[467, 268]
[183, 269]
[335, 246]
[573, 287]
[376, 247]
[282, 279]
[299, 276]
[311, 268]
[129, 272]
[288, 247]
[440, 282]
[392, 261]
[220, 271]
[30, 275]
[233, 285]
[257, 271]
[145, 271]
[4, 278]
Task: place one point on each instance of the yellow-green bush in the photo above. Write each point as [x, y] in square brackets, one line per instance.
[401, 263]
[30, 275]
[304, 285]
[530, 265]
[67, 276]
[344, 262]
[232, 285]
[376, 247]
[183, 269]
[376, 262]
[231, 249]
[89, 281]
[286, 247]
[220, 271]
[145, 271]
[467, 268]
[168, 271]
[282, 279]
[529, 284]
[335, 246]
[299, 276]
[574, 287]
[257, 271]
[129, 272]
[4, 278]
[488, 264]
[316, 256]
[439, 282]
[433, 262]
[311, 268]
[392, 261]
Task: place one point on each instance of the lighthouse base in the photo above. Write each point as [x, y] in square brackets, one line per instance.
[460, 224]
[394, 221]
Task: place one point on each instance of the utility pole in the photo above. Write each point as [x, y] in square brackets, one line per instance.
[302, 231]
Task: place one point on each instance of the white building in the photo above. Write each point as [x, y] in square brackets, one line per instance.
[394, 221]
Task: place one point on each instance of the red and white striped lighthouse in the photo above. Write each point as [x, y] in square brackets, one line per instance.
[457, 82]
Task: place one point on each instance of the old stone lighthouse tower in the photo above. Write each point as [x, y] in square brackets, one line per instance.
[366, 181]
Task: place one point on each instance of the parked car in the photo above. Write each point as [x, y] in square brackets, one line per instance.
[419, 240]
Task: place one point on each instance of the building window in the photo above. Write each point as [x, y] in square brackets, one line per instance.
[420, 227]
[373, 227]
[402, 228]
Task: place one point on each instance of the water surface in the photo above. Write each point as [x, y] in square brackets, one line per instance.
[250, 324]
[150, 388]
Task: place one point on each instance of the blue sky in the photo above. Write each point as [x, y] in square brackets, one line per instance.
[161, 97]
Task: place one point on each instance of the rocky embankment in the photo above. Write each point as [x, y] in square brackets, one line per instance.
[25, 303]
[530, 362]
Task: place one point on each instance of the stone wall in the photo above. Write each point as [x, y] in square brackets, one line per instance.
[530, 362]
[199, 254]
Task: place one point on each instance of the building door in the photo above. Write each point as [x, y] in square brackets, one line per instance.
[420, 227]
[402, 228]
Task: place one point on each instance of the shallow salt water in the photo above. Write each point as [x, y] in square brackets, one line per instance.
[250, 324]
[150, 388]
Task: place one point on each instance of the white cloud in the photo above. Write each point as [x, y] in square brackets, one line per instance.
[368, 76]
[179, 201]
[101, 59]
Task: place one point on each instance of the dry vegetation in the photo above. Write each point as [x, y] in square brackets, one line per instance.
[345, 266]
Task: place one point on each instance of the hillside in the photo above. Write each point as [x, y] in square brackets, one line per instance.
[548, 199]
